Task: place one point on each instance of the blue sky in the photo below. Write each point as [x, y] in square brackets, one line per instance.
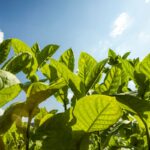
[84, 25]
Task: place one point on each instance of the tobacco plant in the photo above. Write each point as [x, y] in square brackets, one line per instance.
[104, 112]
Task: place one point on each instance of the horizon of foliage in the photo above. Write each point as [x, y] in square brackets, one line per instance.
[104, 113]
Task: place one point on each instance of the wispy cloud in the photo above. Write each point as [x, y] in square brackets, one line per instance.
[120, 24]
[147, 1]
[1, 36]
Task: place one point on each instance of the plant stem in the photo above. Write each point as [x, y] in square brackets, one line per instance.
[28, 133]
[147, 131]
[65, 106]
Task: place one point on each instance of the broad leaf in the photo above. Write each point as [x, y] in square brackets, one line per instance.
[21, 47]
[135, 105]
[46, 53]
[72, 80]
[94, 75]
[38, 92]
[67, 58]
[126, 55]
[35, 49]
[144, 66]
[112, 54]
[11, 114]
[17, 63]
[96, 113]
[85, 65]
[9, 93]
[53, 131]
[111, 82]
[7, 79]
[4, 50]
[128, 68]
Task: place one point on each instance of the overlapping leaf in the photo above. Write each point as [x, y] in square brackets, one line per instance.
[4, 50]
[135, 105]
[94, 75]
[96, 113]
[111, 82]
[85, 65]
[144, 66]
[8, 83]
[46, 53]
[11, 114]
[72, 80]
[17, 63]
[38, 92]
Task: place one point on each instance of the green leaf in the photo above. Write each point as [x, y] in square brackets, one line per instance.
[49, 71]
[135, 105]
[7, 79]
[112, 54]
[11, 114]
[53, 131]
[111, 82]
[128, 68]
[21, 47]
[126, 55]
[144, 66]
[72, 80]
[46, 53]
[85, 65]
[67, 58]
[35, 49]
[6, 94]
[94, 75]
[96, 113]
[17, 63]
[4, 50]
[38, 92]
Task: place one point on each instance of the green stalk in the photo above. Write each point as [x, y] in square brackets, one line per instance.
[147, 131]
[28, 133]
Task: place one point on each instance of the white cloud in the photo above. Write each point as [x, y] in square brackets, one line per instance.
[1, 36]
[120, 24]
[147, 1]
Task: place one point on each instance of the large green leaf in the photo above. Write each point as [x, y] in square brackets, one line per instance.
[11, 114]
[94, 75]
[55, 133]
[67, 58]
[10, 87]
[135, 105]
[111, 82]
[9, 93]
[46, 53]
[17, 63]
[7, 79]
[128, 68]
[72, 80]
[38, 92]
[85, 65]
[96, 113]
[4, 50]
[20, 47]
[144, 66]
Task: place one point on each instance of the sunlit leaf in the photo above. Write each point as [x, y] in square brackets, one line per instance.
[85, 65]
[96, 113]
[46, 53]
